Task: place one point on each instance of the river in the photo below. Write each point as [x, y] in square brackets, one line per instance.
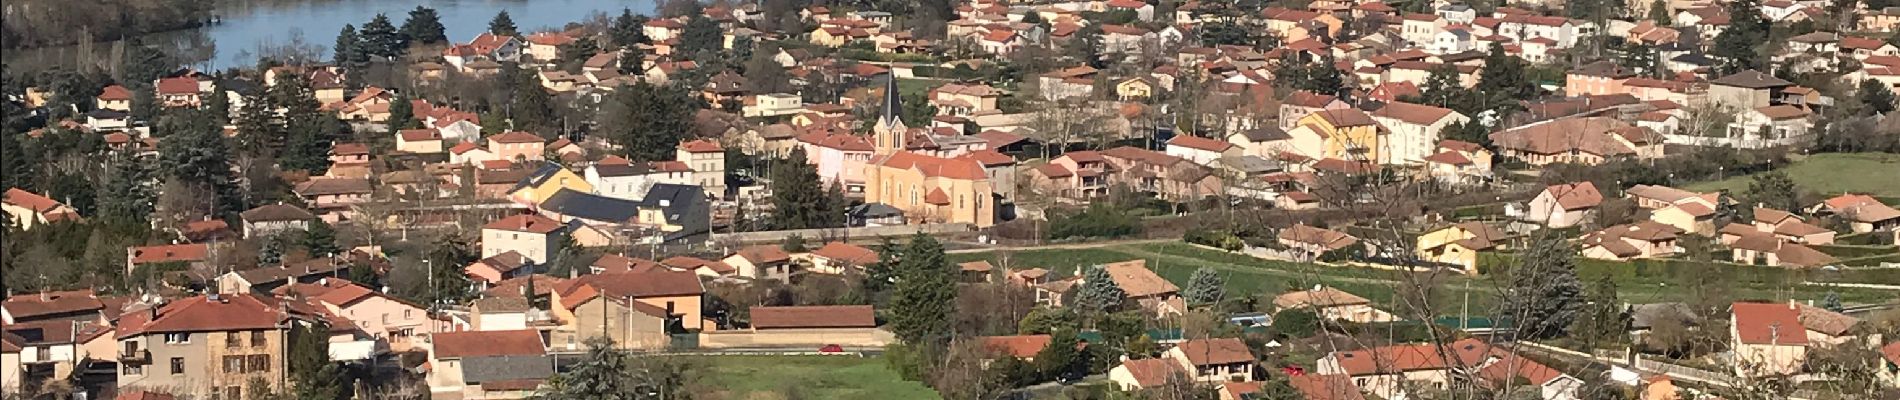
[246, 26]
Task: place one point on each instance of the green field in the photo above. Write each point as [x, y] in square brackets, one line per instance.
[1831, 173]
[808, 377]
[1650, 281]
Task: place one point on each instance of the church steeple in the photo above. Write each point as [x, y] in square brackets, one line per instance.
[890, 132]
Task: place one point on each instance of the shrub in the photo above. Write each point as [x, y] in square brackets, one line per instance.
[1096, 221]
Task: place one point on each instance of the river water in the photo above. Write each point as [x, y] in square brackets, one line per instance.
[247, 26]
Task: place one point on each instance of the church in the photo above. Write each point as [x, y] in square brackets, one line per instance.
[926, 185]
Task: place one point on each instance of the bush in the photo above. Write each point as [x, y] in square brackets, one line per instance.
[1096, 221]
[1223, 240]
[1296, 323]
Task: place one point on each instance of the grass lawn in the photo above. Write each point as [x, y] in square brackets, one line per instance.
[1651, 281]
[1831, 173]
[817, 377]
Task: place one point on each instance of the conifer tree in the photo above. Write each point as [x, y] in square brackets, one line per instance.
[402, 113]
[602, 375]
[424, 26]
[1545, 296]
[320, 240]
[1205, 287]
[701, 34]
[1737, 45]
[627, 30]
[925, 294]
[1876, 97]
[313, 375]
[502, 24]
[1099, 292]
[380, 38]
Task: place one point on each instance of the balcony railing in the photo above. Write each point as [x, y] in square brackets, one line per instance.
[138, 356]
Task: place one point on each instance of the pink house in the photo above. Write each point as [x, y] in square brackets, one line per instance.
[517, 146]
[840, 158]
[380, 315]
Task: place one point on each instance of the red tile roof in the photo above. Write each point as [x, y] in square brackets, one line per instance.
[954, 168]
[847, 253]
[169, 253]
[515, 137]
[1210, 352]
[487, 344]
[1200, 143]
[26, 306]
[701, 146]
[763, 254]
[1768, 323]
[525, 223]
[807, 317]
[230, 312]
[116, 93]
[179, 86]
[1019, 346]
[1326, 387]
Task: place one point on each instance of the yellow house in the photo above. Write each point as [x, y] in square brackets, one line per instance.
[1460, 244]
[544, 182]
[1135, 88]
[830, 37]
[639, 304]
[1347, 134]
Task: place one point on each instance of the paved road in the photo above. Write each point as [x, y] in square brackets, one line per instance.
[1061, 246]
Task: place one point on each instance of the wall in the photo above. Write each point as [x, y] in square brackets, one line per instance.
[800, 338]
[858, 232]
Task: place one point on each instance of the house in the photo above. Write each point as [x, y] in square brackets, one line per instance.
[1790, 228]
[1346, 134]
[333, 198]
[618, 178]
[1325, 387]
[1760, 248]
[1459, 162]
[1578, 140]
[962, 99]
[1142, 287]
[195, 255]
[1214, 360]
[385, 317]
[1333, 304]
[470, 153]
[1517, 374]
[1080, 174]
[1685, 210]
[1747, 90]
[1394, 371]
[27, 209]
[1828, 329]
[1459, 244]
[1863, 213]
[839, 257]
[1168, 177]
[114, 97]
[1263, 142]
[545, 47]
[762, 262]
[502, 314]
[701, 266]
[544, 182]
[178, 92]
[678, 212]
[1412, 130]
[1313, 242]
[660, 301]
[517, 146]
[839, 157]
[932, 189]
[1137, 374]
[1298, 105]
[535, 237]
[1563, 206]
[1767, 338]
[54, 350]
[1643, 239]
[487, 364]
[419, 141]
[807, 327]
[209, 345]
[271, 219]
[1201, 150]
[72, 305]
[708, 162]
[265, 279]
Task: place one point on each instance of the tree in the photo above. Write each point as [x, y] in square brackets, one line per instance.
[648, 121]
[17, 168]
[446, 258]
[1773, 190]
[380, 38]
[1659, 12]
[348, 46]
[1099, 294]
[502, 24]
[402, 113]
[126, 196]
[258, 131]
[925, 295]
[1832, 302]
[198, 158]
[313, 375]
[218, 103]
[1205, 287]
[1875, 96]
[1296, 322]
[144, 103]
[424, 26]
[531, 108]
[601, 375]
[626, 31]
[1603, 319]
[701, 34]
[307, 144]
[1060, 356]
[271, 252]
[1086, 46]
[797, 194]
[1545, 296]
[144, 64]
[1737, 46]
[320, 240]
[1503, 75]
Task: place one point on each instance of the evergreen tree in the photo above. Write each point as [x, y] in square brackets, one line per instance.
[701, 34]
[258, 131]
[144, 104]
[271, 252]
[380, 38]
[627, 31]
[1205, 287]
[127, 196]
[532, 109]
[424, 26]
[1659, 12]
[647, 121]
[312, 374]
[1545, 296]
[218, 103]
[1737, 45]
[1503, 76]
[320, 240]
[1875, 96]
[1774, 190]
[1099, 294]
[835, 206]
[925, 295]
[602, 375]
[1833, 302]
[1086, 46]
[307, 128]
[197, 156]
[446, 258]
[1603, 318]
[17, 167]
[1060, 356]
[879, 276]
[577, 52]
[502, 24]
[348, 48]
[402, 113]
[796, 194]
[142, 65]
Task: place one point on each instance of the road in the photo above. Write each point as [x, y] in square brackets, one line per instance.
[1678, 372]
[1059, 246]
